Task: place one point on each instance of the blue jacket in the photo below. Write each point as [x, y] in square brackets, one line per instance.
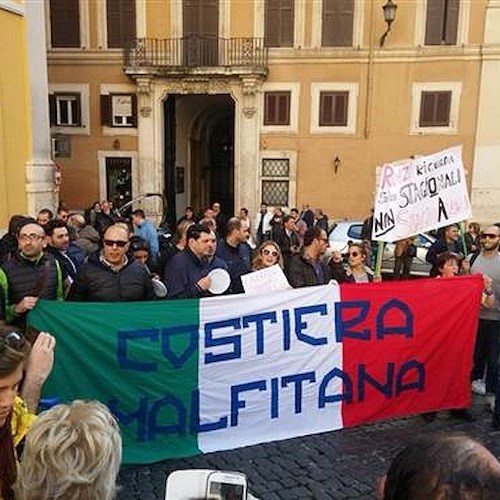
[184, 270]
[147, 232]
[238, 260]
[69, 261]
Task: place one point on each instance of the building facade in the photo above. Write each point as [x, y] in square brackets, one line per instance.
[26, 168]
[285, 101]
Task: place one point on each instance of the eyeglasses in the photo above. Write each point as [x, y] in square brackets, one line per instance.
[274, 253]
[118, 243]
[354, 254]
[14, 340]
[30, 237]
[491, 236]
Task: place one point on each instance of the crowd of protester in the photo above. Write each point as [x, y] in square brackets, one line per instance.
[102, 256]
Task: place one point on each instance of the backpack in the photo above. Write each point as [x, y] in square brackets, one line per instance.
[473, 257]
[411, 250]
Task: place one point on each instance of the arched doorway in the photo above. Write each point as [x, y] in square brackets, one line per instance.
[199, 152]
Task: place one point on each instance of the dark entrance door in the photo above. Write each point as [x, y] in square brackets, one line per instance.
[201, 30]
[119, 180]
[221, 162]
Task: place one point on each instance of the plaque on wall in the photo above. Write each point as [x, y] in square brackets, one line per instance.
[61, 146]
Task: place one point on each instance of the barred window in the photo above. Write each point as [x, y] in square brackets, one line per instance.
[275, 181]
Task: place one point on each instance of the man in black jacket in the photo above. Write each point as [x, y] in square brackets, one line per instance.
[109, 276]
[69, 255]
[28, 275]
[286, 237]
[308, 268]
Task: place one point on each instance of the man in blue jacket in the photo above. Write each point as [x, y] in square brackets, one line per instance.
[186, 273]
[145, 229]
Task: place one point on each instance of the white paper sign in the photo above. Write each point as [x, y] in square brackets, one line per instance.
[419, 195]
[269, 279]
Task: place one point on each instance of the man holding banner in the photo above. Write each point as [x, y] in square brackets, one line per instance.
[487, 349]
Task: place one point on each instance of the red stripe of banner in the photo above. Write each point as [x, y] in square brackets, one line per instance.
[416, 343]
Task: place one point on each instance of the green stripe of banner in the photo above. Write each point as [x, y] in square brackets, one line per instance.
[139, 346]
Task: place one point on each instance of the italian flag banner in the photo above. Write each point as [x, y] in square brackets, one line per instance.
[194, 376]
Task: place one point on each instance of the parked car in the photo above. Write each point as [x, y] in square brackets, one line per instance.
[350, 230]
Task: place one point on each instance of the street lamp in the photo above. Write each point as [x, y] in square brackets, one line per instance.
[389, 9]
[336, 164]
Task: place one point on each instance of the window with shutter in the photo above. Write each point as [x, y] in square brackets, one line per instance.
[277, 108]
[435, 109]
[279, 23]
[66, 110]
[119, 110]
[64, 23]
[442, 22]
[337, 23]
[120, 19]
[333, 107]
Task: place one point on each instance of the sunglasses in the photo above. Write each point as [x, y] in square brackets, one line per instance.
[491, 236]
[118, 243]
[354, 254]
[274, 253]
[14, 340]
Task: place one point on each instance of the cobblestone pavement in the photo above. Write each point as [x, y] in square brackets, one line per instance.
[340, 464]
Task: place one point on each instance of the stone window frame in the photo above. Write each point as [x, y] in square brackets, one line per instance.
[455, 87]
[74, 88]
[352, 107]
[294, 89]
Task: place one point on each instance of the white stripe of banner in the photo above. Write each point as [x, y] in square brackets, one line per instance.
[269, 388]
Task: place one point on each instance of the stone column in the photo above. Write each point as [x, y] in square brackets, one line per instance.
[247, 168]
[40, 187]
[148, 167]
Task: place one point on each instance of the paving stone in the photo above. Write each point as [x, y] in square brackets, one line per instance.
[335, 465]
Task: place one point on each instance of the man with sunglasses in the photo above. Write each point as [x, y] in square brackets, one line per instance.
[109, 275]
[487, 348]
[308, 268]
[29, 275]
[20, 367]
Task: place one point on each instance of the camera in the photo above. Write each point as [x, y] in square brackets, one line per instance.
[206, 484]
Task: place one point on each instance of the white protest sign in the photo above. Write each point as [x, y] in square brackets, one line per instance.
[269, 279]
[420, 194]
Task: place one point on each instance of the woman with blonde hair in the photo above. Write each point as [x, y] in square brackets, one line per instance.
[72, 451]
[268, 254]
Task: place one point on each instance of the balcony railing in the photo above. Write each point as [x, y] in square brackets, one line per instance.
[195, 51]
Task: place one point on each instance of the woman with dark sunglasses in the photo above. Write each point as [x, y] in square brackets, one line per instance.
[268, 254]
[355, 269]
